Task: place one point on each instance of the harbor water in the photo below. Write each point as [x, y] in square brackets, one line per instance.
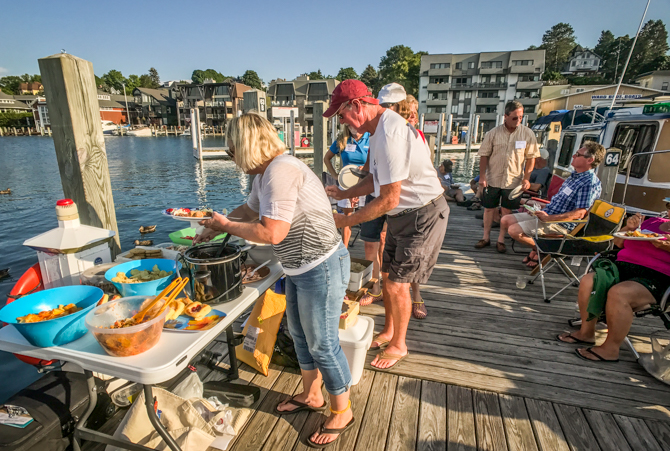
[148, 175]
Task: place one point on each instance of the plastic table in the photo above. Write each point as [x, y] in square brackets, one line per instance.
[167, 359]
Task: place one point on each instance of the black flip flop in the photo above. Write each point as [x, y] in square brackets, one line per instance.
[323, 430]
[590, 351]
[301, 407]
[576, 342]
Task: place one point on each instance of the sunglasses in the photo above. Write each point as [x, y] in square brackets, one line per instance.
[579, 155]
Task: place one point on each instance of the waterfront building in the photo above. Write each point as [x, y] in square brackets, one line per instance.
[658, 79]
[112, 107]
[155, 106]
[40, 113]
[582, 62]
[216, 102]
[34, 88]
[10, 103]
[480, 83]
[300, 93]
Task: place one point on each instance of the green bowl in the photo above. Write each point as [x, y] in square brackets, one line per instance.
[178, 237]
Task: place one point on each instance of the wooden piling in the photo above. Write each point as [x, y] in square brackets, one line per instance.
[1, 131]
[74, 112]
[15, 133]
[320, 138]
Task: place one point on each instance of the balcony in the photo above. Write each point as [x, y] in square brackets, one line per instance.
[488, 100]
[458, 86]
[528, 100]
[528, 85]
[432, 116]
[439, 86]
[437, 102]
[283, 103]
[438, 72]
[487, 116]
[489, 85]
[493, 71]
[525, 69]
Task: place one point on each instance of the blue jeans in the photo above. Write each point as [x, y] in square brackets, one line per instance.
[313, 309]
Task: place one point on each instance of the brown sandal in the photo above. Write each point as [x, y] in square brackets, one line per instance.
[500, 247]
[482, 244]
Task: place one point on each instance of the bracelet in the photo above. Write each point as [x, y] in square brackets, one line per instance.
[340, 412]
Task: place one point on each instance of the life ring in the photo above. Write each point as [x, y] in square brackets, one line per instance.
[29, 282]
[304, 142]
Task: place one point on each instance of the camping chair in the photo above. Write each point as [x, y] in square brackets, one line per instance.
[592, 235]
[661, 309]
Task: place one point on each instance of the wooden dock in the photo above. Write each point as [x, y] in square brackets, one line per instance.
[485, 372]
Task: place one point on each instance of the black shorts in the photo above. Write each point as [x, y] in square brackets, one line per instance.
[657, 283]
[371, 231]
[493, 197]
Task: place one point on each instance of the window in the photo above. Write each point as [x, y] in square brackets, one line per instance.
[440, 65]
[633, 139]
[492, 65]
[501, 79]
[486, 78]
[580, 89]
[169, 110]
[439, 96]
[454, 109]
[565, 91]
[664, 86]
[487, 94]
[593, 138]
[436, 109]
[459, 65]
[466, 109]
[461, 80]
[439, 80]
[565, 156]
[454, 95]
[103, 97]
[573, 63]
[522, 62]
[529, 77]
[468, 94]
[471, 65]
[486, 109]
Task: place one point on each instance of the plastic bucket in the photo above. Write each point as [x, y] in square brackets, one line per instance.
[355, 342]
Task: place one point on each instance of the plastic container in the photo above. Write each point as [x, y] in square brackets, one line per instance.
[150, 288]
[168, 254]
[95, 277]
[358, 279]
[53, 332]
[179, 236]
[126, 341]
[355, 342]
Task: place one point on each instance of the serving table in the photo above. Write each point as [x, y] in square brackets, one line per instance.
[167, 359]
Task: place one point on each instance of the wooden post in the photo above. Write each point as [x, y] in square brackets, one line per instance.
[74, 114]
[1, 133]
[15, 133]
[320, 136]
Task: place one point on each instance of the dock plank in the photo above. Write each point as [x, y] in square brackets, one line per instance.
[637, 433]
[288, 427]
[462, 436]
[518, 428]
[546, 426]
[375, 422]
[575, 428]
[606, 431]
[661, 432]
[488, 422]
[432, 432]
[402, 434]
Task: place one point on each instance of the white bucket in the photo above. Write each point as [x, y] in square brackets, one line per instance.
[355, 342]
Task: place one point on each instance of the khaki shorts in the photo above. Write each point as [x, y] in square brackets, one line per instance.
[528, 224]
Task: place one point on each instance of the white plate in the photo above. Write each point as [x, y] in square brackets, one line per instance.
[516, 192]
[185, 218]
[346, 178]
[623, 236]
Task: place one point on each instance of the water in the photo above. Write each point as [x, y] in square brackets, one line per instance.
[147, 176]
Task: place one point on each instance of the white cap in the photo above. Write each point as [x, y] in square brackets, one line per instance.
[544, 153]
[392, 93]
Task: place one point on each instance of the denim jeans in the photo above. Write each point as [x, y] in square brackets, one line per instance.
[313, 309]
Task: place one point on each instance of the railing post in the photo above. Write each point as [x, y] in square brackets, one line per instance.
[320, 136]
[74, 114]
[292, 133]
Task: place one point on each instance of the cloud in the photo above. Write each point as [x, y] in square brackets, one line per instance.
[3, 70]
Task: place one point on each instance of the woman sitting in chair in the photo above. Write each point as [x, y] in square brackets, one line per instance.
[644, 276]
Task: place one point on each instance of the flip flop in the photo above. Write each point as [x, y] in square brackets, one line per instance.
[592, 352]
[382, 343]
[301, 407]
[323, 430]
[388, 356]
[577, 340]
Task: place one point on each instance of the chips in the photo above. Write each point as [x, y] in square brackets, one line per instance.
[61, 310]
[137, 276]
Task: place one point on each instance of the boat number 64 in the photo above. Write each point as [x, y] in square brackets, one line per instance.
[612, 158]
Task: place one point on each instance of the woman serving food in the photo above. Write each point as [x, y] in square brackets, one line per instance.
[296, 218]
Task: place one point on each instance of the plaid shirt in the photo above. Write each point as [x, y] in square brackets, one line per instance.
[580, 190]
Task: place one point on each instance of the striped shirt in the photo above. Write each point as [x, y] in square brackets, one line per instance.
[289, 191]
[507, 154]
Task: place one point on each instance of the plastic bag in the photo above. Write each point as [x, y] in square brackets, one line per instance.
[191, 387]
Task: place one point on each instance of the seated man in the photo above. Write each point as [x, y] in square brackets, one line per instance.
[447, 181]
[573, 201]
[541, 175]
[644, 276]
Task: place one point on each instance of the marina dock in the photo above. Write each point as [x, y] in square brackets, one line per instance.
[484, 372]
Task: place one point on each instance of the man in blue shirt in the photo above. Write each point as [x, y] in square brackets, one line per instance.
[573, 201]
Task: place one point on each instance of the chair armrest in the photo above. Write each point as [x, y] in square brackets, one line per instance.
[542, 201]
[592, 239]
[569, 221]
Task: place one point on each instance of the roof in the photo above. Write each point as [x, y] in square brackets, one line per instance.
[32, 86]
[110, 104]
[597, 89]
[655, 73]
[26, 98]
[14, 105]
[162, 95]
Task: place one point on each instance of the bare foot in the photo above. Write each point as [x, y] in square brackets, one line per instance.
[381, 339]
[387, 363]
[577, 338]
[332, 422]
[314, 401]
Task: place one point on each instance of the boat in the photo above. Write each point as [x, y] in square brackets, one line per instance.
[147, 229]
[108, 127]
[6, 191]
[144, 131]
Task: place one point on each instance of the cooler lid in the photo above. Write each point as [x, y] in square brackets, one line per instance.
[72, 240]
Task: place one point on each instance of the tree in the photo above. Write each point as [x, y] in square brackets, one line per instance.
[10, 84]
[155, 78]
[132, 82]
[251, 78]
[401, 65]
[114, 79]
[650, 49]
[316, 75]
[558, 42]
[145, 81]
[371, 78]
[346, 73]
[199, 76]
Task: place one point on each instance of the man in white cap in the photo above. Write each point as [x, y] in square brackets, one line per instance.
[408, 191]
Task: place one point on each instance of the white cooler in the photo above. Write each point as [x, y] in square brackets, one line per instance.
[355, 342]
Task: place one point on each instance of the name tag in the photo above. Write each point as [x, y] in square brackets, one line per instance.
[567, 191]
[520, 145]
[350, 148]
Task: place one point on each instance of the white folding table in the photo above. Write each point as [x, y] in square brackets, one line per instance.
[167, 359]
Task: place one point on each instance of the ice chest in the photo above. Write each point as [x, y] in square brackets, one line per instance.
[358, 279]
[355, 342]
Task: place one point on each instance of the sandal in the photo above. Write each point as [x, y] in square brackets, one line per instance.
[500, 247]
[368, 298]
[324, 430]
[382, 343]
[417, 311]
[576, 340]
[592, 352]
[388, 356]
[482, 244]
[301, 407]
[528, 258]
[532, 263]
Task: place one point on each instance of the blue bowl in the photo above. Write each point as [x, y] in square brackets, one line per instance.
[53, 332]
[151, 288]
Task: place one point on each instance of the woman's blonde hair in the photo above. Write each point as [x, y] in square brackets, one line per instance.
[403, 108]
[254, 141]
[412, 100]
[343, 137]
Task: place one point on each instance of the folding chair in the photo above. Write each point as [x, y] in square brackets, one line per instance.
[591, 236]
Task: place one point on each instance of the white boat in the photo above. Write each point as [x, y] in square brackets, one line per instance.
[108, 127]
[145, 131]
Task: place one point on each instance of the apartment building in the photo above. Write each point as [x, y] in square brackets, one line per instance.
[300, 93]
[480, 83]
[217, 102]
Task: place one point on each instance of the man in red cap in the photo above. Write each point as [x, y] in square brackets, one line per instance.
[408, 191]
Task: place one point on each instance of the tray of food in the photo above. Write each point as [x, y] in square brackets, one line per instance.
[188, 214]
[189, 316]
[248, 277]
[640, 235]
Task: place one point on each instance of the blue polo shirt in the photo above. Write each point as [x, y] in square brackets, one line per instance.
[357, 156]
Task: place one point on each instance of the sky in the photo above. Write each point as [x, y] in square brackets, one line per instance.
[283, 39]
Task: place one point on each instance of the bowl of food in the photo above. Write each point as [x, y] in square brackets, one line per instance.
[52, 317]
[143, 277]
[121, 338]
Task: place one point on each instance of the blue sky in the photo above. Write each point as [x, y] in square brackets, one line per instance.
[286, 38]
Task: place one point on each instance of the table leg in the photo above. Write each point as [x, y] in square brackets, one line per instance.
[149, 403]
[92, 401]
[232, 356]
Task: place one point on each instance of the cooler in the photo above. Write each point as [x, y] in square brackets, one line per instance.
[355, 342]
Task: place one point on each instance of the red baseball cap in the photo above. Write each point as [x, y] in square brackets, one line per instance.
[349, 90]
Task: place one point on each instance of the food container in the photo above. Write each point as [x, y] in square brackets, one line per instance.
[185, 236]
[150, 288]
[126, 341]
[130, 255]
[260, 253]
[355, 342]
[214, 279]
[349, 315]
[58, 331]
[359, 278]
[95, 277]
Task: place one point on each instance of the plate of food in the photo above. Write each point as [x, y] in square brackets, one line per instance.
[188, 214]
[531, 208]
[189, 316]
[247, 277]
[639, 235]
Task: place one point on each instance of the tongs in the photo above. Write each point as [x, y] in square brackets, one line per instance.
[170, 292]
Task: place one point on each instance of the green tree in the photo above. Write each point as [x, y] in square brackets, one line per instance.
[199, 76]
[146, 81]
[155, 78]
[114, 79]
[346, 73]
[132, 82]
[401, 65]
[558, 42]
[650, 49]
[14, 119]
[251, 78]
[316, 75]
[10, 84]
[371, 78]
